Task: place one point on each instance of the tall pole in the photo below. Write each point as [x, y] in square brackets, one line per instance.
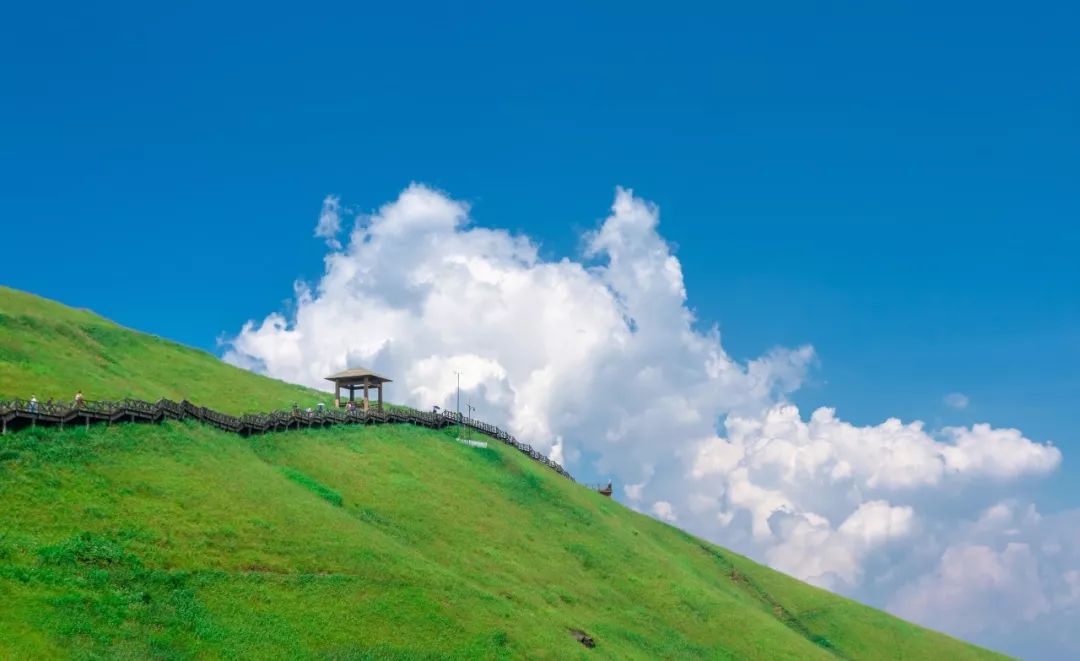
[471, 409]
[458, 403]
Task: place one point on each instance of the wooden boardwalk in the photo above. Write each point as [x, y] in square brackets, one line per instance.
[20, 414]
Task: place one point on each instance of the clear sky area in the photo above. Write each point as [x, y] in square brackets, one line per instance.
[896, 186]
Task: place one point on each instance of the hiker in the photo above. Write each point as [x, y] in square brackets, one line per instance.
[33, 403]
[78, 400]
[337, 402]
[320, 407]
[295, 410]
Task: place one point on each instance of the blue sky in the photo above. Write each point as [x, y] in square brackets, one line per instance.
[903, 181]
[895, 185]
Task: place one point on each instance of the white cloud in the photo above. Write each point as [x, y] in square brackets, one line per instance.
[793, 478]
[876, 522]
[892, 456]
[1011, 577]
[809, 547]
[599, 361]
[957, 400]
[330, 221]
[634, 492]
[968, 579]
[664, 511]
[1000, 453]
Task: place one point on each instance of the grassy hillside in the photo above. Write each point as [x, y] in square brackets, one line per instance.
[50, 350]
[179, 541]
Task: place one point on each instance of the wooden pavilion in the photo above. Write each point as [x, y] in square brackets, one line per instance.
[358, 378]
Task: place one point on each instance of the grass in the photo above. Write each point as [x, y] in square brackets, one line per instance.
[313, 485]
[179, 541]
[51, 351]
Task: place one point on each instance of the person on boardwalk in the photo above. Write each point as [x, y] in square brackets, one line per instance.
[78, 400]
[320, 407]
[33, 404]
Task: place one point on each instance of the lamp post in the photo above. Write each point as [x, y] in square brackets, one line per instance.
[471, 409]
[458, 402]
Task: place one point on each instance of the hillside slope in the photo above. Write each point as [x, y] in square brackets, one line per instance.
[179, 541]
[50, 350]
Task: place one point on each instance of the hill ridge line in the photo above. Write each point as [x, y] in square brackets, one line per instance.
[17, 414]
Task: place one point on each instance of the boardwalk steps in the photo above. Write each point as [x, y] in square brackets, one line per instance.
[19, 414]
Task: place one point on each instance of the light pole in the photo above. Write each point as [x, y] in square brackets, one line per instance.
[471, 409]
[458, 402]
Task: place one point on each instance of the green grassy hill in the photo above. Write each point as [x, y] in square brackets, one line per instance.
[50, 350]
[179, 541]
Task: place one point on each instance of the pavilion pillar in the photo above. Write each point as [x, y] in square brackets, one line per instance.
[361, 380]
[337, 394]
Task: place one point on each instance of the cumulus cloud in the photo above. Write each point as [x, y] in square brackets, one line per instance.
[957, 400]
[1010, 576]
[808, 546]
[970, 576]
[664, 511]
[600, 361]
[888, 456]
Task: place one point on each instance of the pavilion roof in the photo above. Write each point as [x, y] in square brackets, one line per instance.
[357, 375]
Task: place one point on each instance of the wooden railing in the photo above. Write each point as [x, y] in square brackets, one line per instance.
[18, 414]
